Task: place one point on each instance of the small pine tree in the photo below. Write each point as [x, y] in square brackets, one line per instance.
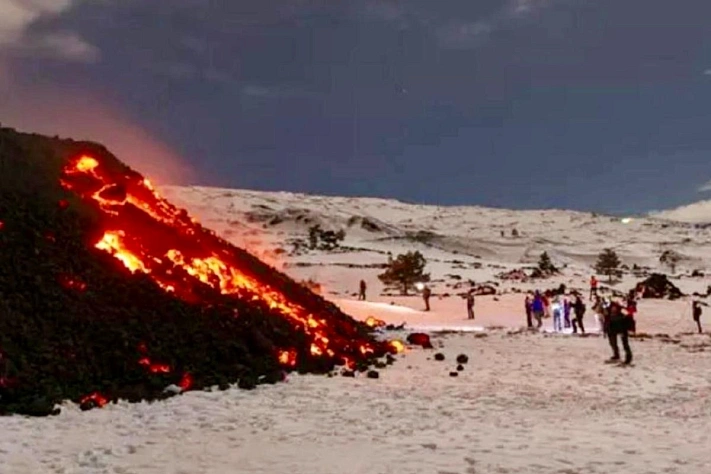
[608, 263]
[670, 258]
[404, 271]
[545, 265]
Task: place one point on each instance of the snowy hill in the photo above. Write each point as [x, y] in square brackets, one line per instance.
[460, 243]
[698, 212]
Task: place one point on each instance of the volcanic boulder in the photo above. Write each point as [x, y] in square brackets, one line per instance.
[658, 286]
[108, 291]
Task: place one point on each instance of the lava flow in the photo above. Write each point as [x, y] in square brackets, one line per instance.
[147, 234]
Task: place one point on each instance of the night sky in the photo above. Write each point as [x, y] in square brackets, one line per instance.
[585, 104]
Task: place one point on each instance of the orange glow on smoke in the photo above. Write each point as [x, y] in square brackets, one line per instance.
[149, 235]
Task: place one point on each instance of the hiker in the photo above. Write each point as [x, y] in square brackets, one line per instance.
[632, 310]
[546, 305]
[557, 309]
[593, 287]
[426, 293]
[619, 325]
[528, 302]
[566, 312]
[361, 294]
[470, 304]
[696, 311]
[537, 308]
[599, 310]
[579, 310]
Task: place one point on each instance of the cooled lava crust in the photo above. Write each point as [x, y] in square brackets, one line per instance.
[108, 291]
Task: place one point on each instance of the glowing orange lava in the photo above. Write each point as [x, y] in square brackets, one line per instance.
[149, 235]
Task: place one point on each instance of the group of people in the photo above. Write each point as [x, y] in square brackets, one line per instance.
[615, 319]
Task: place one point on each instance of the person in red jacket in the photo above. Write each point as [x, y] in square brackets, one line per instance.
[631, 310]
[593, 287]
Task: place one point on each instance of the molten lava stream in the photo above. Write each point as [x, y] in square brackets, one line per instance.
[149, 235]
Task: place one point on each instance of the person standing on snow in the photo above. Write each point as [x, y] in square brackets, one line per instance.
[599, 310]
[537, 308]
[470, 304]
[426, 293]
[579, 310]
[619, 325]
[363, 287]
[567, 306]
[696, 313]
[546, 305]
[557, 310]
[593, 287]
[529, 310]
[632, 310]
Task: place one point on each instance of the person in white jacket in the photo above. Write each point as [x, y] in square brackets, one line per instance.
[557, 309]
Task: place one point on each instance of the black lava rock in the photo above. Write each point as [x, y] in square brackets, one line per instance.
[460, 367]
[75, 321]
[373, 374]
[439, 356]
[454, 374]
[462, 359]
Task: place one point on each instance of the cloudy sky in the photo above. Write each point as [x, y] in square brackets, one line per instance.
[587, 104]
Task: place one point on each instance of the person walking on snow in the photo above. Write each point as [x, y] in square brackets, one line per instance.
[426, 293]
[470, 304]
[696, 312]
[579, 310]
[619, 325]
[363, 287]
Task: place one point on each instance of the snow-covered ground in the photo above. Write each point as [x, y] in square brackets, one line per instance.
[524, 403]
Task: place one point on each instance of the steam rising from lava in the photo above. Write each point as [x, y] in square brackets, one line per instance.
[149, 235]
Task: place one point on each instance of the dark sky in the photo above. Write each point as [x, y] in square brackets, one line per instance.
[595, 105]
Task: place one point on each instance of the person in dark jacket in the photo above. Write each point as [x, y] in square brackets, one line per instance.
[363, 288]
[579, 312]
[470, 304]
[618, 324]
[696, 312]
[529, 311]
[426, 293]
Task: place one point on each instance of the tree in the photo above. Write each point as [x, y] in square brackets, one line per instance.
[670, 258]
[608, 263]
[404, 271]
[545, 265]
[325, 239]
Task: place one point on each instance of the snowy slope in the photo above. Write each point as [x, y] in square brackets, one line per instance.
[698, 212]
[525, 403]
[460, 243]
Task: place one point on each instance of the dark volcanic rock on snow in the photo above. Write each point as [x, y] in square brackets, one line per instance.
[76, 323]
[658, 286]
